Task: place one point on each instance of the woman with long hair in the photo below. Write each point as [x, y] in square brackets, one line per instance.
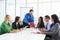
[40, 23]
[17, 24]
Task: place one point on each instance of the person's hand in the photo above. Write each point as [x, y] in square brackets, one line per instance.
[21, 29]
[13, 31]
[41, 32]
[28, 23]
[21, 23]
[40, 29]
[17, 30]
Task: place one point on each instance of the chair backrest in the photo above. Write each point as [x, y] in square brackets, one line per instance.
[59, 29]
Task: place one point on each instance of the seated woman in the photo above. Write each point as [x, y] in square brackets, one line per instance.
[59, 24]
[5, 26]
[17, 24]
[40, 23]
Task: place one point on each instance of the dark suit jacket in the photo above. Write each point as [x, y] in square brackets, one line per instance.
[40, 25]
[16, 26]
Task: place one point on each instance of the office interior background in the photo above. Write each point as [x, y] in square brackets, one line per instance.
[21, 7]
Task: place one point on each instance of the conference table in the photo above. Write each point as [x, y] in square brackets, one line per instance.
[25, 34]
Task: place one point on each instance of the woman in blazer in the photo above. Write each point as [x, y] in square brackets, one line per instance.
[40, 24]
[17, 24]
[53, 32]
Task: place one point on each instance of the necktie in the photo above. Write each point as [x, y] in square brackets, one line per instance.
[46, 25]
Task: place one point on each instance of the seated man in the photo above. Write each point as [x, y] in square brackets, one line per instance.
[47, 24]
[0, 30]
[29, 18]
[6, 27]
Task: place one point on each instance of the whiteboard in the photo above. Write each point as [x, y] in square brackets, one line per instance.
[23, 11]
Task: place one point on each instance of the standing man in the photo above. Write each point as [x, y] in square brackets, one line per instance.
[28, 18]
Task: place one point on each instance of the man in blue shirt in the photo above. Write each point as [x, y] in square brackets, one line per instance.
[28, 18]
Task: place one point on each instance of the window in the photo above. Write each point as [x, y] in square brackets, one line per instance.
[10, 8]
[31, 1]
[18, 6]
[44, 9]
[20, 1]
[11, 11]
[56, 8]
[11, 2]
[44, 0]
[56, 0]
[2, 10]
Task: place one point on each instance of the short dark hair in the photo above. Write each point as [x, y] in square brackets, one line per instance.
[55, 17]
[17, 18]
[31, 10]
[47, 16]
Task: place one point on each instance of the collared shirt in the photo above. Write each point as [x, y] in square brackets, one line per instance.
[28, 18]
[47, 26]
[5, 28]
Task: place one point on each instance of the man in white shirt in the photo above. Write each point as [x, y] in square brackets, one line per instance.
[47, 26]
[47, 23]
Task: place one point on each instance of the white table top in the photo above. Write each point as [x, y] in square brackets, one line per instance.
[25, 34]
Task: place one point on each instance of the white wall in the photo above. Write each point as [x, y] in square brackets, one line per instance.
[2, 10]
[10, 8]
[41, 7]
